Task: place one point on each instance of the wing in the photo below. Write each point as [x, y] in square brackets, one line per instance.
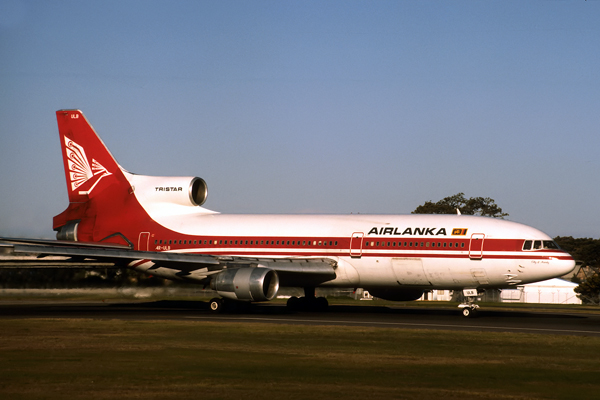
[198, 268]
[109, 253]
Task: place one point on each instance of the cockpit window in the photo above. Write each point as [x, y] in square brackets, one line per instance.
[540, 244]
[550, 244]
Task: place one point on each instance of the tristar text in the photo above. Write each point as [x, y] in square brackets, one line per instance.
[168, 189]
[407, 231]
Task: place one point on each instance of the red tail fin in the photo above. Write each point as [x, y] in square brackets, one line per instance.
[95, 182]
[86, 159]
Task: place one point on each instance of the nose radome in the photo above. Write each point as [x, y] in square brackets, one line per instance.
[564, 266]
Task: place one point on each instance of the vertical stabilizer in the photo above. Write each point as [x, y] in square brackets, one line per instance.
[89, 166]
[98, 190]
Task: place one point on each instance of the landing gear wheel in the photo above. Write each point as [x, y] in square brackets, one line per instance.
[293, 304]
[469, 312]
[321, 304]
[216, 305]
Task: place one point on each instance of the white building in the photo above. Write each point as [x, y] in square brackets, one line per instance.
[552, 291]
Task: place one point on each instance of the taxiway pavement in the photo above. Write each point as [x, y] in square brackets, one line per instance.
[524, 321]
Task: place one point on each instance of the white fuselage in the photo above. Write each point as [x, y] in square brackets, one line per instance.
[428, 251]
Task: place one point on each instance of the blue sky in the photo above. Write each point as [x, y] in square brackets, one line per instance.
[311, 107]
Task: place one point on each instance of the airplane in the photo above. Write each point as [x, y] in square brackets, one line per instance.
[156, 225]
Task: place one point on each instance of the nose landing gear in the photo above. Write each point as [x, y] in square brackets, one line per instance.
[469, 311]
[470, 308]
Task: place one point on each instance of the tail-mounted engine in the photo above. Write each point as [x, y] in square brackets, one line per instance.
[68, 231]
[248, 284]
[185, 191]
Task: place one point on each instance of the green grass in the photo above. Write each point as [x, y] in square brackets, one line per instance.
[97, 359]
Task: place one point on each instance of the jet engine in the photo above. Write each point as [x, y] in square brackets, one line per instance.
[185, 191]
[68, 231]
[396, 294]
[247, 283]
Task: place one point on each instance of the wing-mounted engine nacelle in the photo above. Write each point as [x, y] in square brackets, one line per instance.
[247, 284]
[181, 190]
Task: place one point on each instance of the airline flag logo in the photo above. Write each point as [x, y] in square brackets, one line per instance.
[459, 231]
[80, 170]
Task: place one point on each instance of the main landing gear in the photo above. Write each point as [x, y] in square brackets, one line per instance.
[470, 308]
[307, 303]
[219, 305]
[216, 305]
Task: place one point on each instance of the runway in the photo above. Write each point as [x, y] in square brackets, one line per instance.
[527, 321]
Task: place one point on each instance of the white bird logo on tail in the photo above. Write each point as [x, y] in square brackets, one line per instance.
[80, 170]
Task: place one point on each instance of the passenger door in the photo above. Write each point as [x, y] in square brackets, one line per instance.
[356, 244]
[476, 246]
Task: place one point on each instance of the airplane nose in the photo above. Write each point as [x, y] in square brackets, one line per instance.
[563, 265]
